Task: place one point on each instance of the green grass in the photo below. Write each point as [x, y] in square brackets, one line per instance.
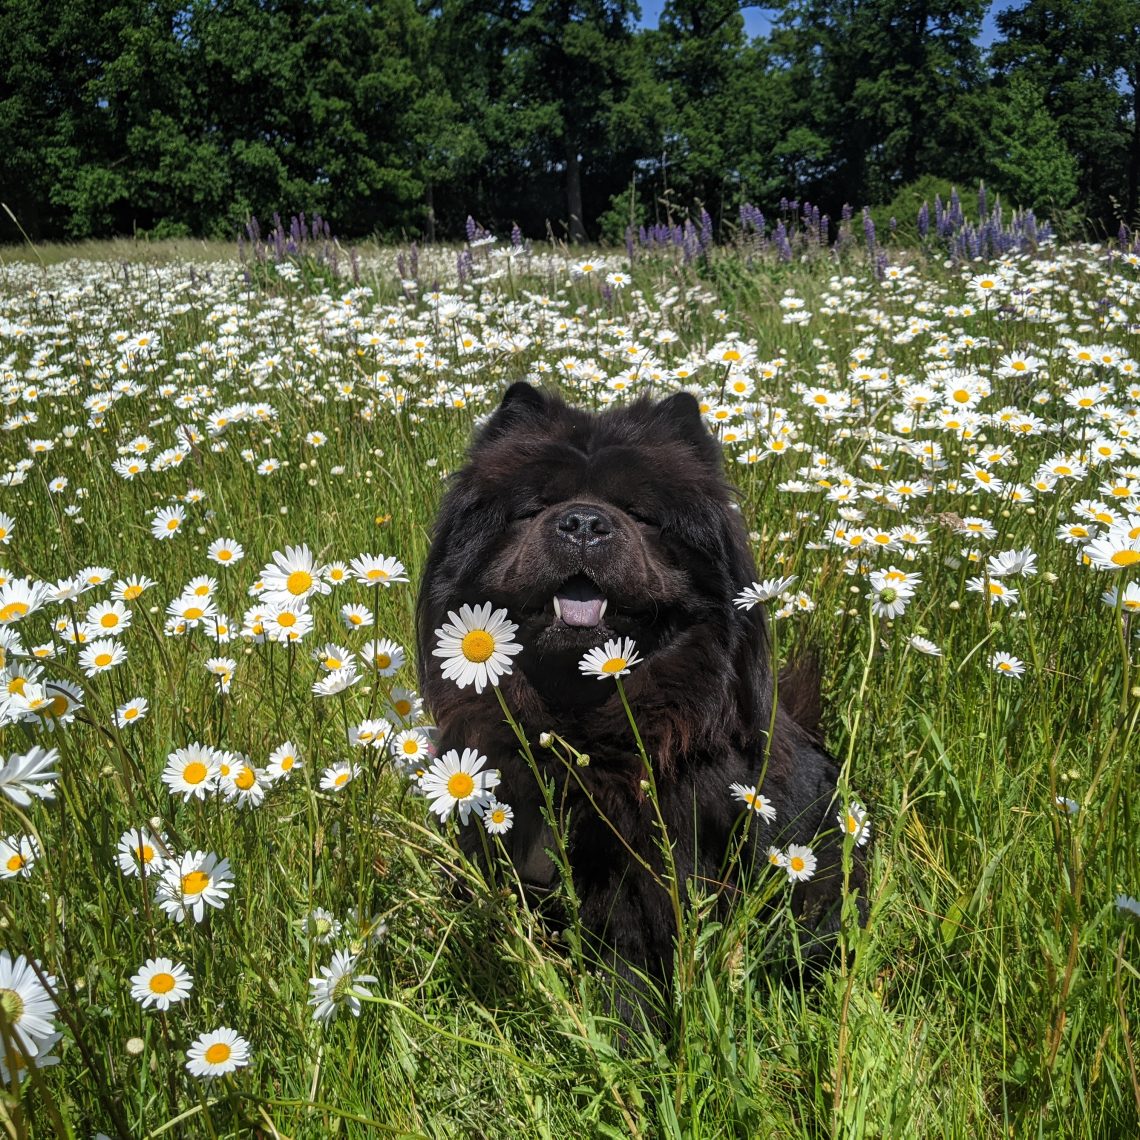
[994, 989]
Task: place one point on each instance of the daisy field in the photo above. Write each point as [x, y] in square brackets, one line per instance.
[232, 902]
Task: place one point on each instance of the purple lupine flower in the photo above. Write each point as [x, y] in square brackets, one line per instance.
[516, 236]
[472, 229]
[923, 220]
[705, 238]
[868, 228]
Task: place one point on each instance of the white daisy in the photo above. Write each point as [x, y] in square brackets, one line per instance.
[460, 783]
[161, 983]
[217, 1053]
[476, 646]
[760, 804]
[614, 659]
[191, 883]
[339, 986]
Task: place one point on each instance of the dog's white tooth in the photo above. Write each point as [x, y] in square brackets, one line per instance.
[602, 611]
[557, 608]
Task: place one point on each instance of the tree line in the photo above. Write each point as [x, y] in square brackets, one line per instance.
[407, 116]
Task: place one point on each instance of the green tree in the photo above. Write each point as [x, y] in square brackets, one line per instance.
[1032, 164]
[886, 84]
[1084, 57]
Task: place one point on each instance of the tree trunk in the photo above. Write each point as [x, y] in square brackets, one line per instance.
[1134, 151]
[574, 193]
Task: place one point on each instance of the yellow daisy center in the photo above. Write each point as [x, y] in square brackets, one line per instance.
[614, 665]
[132, 592]
[246, 779]
[382, 660]
[218, 1053]
[161, 983]
[224, 555]
[172, 524]
[15, 862]
[13, 610]
[460, 785]
[103, 659]
[341, 780]
[1125, 557]
[402, 707]
[195, 882]
[376, 574]
[478, 645]
[299, 582]
[286, 619]
[411, 747]
[193, 613]
[796, 863]
[130, 714]
[109, 621]
[195, 772]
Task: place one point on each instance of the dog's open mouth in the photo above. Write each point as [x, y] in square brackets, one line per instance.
[578, 602]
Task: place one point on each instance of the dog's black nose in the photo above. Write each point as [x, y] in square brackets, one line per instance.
[585, 524]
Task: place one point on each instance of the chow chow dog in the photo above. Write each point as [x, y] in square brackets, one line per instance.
[587, 526]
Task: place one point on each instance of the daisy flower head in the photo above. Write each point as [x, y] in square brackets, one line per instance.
[760, 804]
[459, 783]
[614, 659]
[292, 576]
[338, 987]
[476, 646]
[192, 772]
[222, 668]
[383, 655]
[7, 525]
[28, 774]
[284, 760]
[225, 551]
[372, 733]
[763, 591]
[18, 855]
[322, 925]
[217, 1053]
[404, 706]
[800, 862]
[284, 622]
[331, 657]
[853, 821]
[356, 616]
[1116, 550]
[38, 1057]
[244, 784]
[411, 749]
[141, 853]
[498, 818]
[131, 712]
[167, 522]
[193, 882]
[28, 1003]
[376, 570]
[108, 619]
[1127, 905]
[161, 983]
[132, 587]
[20, 597]
[337, 681]
[1007, 664]
[888, 599]
[925, 646]
[993, 590]
[339, 776]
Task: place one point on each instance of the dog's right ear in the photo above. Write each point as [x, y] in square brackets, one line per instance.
[521, 401]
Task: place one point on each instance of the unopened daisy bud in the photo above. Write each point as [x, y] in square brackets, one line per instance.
[545, 740]
[135, 1045]
[644, 785]
[583, 759]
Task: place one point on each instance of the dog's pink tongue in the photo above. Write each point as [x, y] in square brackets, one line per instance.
[581, 613]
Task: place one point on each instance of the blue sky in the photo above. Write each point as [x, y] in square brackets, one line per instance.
[757, 20]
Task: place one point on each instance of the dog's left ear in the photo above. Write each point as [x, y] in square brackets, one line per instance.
[520, 402]
[683, 415]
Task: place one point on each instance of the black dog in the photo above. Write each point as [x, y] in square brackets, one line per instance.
[589, 526]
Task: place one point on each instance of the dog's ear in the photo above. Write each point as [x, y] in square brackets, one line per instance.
[682, 414]
[521, 401]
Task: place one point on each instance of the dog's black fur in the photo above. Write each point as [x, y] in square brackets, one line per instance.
[630, 504]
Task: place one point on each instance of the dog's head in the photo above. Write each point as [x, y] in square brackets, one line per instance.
[588, 526]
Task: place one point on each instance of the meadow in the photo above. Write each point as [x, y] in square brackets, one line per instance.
[226, 909]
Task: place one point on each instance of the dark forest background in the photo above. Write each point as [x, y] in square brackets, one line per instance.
[399, 117]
